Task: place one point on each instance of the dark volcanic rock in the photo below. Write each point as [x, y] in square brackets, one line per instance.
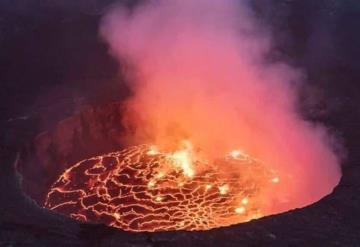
[55, 51]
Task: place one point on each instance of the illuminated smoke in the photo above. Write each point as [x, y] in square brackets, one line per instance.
[198, 72]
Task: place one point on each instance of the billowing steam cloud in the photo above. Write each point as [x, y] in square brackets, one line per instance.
[198, 71]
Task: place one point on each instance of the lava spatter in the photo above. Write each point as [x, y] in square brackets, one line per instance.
[143, 189]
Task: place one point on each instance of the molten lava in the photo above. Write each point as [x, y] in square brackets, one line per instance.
[143, 189]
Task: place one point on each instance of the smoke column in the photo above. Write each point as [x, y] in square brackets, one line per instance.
[198, 71]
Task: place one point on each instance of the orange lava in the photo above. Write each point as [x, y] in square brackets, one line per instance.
[143, 189]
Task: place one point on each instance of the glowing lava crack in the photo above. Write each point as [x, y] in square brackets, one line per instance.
[141, 189]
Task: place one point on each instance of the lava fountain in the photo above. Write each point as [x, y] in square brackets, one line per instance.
[221, 113]
[143, 189]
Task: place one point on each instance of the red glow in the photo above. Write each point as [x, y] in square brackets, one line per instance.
[199, 72]
[137, 190]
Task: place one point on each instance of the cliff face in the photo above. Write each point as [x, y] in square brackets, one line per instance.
[91, 132]
[53, 66]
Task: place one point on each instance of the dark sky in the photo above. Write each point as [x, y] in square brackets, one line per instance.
[52, 59]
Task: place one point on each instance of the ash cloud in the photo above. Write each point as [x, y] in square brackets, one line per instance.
[198, 70]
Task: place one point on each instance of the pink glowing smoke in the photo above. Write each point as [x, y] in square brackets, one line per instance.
[198, 71]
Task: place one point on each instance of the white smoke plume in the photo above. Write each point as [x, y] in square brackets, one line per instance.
[198, 70]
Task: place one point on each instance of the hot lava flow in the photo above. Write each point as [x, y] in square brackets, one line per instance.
[144, 189]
